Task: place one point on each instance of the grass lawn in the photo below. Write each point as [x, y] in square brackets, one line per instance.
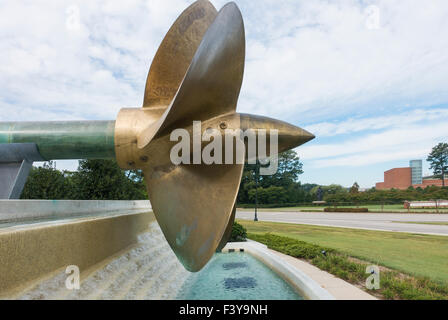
[374, 208]
[422, 255]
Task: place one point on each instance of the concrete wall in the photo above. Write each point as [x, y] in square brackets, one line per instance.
[29, 252]
[18, 211]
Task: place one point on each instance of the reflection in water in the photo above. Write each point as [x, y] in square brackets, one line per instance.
[240, 283]
[234, 265]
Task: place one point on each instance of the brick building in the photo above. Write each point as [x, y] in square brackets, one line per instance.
[397, 178]
[403, 178]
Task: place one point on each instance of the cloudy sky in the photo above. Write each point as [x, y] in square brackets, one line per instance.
[368, 78]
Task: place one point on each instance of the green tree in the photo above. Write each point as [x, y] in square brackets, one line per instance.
[270, 195]
[104, 180]
[388, 196]
[354, 188]
[247, 183]
[289, 169]
[330, 190]
[46, 183]
[281, 187]
[438, 158]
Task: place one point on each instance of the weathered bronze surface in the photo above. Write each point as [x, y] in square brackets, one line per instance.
[196, 75]
[228, 232]
[175, 53]
[193, 203]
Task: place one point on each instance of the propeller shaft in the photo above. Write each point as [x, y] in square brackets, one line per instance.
[58, 140]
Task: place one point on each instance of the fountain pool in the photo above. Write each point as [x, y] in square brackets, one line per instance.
[236, 276]
[150, 270]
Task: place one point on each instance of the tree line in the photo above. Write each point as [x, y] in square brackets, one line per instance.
[104, 180]
[392, 196]
[94, 180]
[281, 188]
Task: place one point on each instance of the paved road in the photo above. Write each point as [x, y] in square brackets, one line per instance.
[371, 221]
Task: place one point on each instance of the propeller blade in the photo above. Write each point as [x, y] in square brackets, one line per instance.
[175, 53]
[212, 84]
[193, 205]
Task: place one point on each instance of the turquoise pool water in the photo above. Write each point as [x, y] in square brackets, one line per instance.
[236, 276]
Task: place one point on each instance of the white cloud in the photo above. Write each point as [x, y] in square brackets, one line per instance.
[307, 60]
[400, 143]
[352, 125]
[78, 59]
[312, 63]
[317, 59]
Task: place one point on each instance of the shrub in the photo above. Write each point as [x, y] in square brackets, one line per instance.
[394, 285]
[292, 247]
[346, 210]
[239, 233]
[276, 205]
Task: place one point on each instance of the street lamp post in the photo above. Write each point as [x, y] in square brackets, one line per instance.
[257, 169]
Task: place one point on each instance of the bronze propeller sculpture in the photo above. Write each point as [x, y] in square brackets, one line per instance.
[196, 75]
